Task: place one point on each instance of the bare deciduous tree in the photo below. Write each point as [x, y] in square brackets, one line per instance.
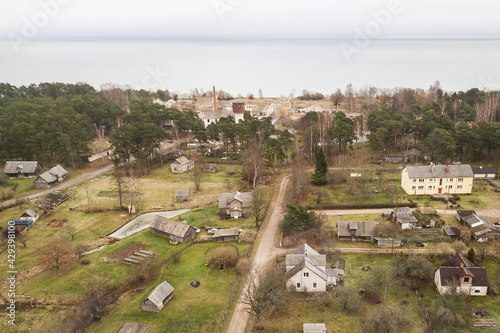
[258, 204]
[56, 255]
[70, 230]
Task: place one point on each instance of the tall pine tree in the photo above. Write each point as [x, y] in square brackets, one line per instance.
[319, 174]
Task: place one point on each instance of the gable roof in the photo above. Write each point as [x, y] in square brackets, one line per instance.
[450, 271]
[31, 212]
[53, 174]
[21, 167]
[182, 160]
[362, 228]
[406, 218]
[169, 226]
[161, 292]
[244, 197]
[413, 151]
[182, 193]
[439, 171]
[306, 262]
[451, 231]
[227, 232]
[463, 213]
[456, 260]
[483, 171]
[398, 210]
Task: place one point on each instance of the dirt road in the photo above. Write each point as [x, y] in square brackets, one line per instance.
[265, 252]
[65, 184]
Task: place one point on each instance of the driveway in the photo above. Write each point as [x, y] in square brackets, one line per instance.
[142, 222]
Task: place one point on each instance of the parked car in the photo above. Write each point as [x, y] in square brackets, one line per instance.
[197, 230]
[497, 224]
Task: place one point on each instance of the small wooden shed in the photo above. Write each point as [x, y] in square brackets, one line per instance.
[210, 168]
[158, 298]
[182, 196]
[176, 231]
[387, 242]
[227, 235]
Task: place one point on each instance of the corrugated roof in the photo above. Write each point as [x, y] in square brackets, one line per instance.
[406, 218]
[244, 197]
[53, 174]
[313, 328]
[161, 292]
[398, 210]
[360, 228]
[32, 212]
[227, 232]
[24, 167]
[168, 226]
[439, 171]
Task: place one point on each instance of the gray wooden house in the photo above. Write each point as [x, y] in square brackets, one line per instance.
[176, 231]
[30, 214]
[356, 231]
[158, 297]
[182, 196]
[181, 165]
[227, 235]
[51, 177]
[22, 169]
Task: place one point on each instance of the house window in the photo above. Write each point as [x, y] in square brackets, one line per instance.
[175, 169]
[459, 186]
[420, 187]
[306, 274]
[450, 180]
[298, 285]
[466, 279]
[235, 205]
[414, 180]
[421, 180]
[430, 187]
[450, 187]
[315, 285]
[477, 290]
[413, 187]
[460, 179]
[431, 180]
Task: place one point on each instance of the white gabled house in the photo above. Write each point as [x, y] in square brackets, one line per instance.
[306, 271]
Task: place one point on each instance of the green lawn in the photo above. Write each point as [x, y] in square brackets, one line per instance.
[191, 309]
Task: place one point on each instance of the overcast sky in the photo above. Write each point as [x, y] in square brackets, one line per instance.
[249, 18]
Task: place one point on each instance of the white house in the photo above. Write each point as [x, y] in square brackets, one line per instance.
[181, 165]
[436, 179]
[306, 271]
[460, 273]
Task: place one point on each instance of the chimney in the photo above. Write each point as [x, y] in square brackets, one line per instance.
[215, 100]
[447, 168]
[461, 265]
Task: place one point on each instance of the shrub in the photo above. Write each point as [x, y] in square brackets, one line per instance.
[247, 236]
[222, 257]
[88, 210]
[85, 262]
[242, 266]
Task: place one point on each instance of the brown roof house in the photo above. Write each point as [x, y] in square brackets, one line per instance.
[51, 177]
[181, 165]
[460, 273]
[227, 235]
[356, 230]
[306, 271]
[235, 204]
[176, 231]
[158, 297]
[22, 169]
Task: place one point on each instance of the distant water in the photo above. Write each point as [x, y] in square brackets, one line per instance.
[242, 66]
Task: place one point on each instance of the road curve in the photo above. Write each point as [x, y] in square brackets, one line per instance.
[265, 252]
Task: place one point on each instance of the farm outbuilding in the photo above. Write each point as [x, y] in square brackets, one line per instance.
[51, 177]
[451, 232]
[483, 173]
[210, 168]
[227, 235]
[30, 214]
[314, 328]
[181, 165]
[158, 298]
[176, 231]
[387, 242]
[404, 218]
[356, 230]
[22, 169]
[182, 196]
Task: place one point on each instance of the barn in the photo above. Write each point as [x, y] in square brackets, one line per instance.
[158, 298]
[51, 177]
[227, 235]
[176, 231]
[22, 169]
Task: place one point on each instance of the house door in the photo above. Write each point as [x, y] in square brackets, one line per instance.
[440, 190]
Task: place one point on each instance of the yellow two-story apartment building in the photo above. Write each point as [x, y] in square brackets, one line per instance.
[436, 179]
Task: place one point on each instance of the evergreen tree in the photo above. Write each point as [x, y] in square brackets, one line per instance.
[319, 175]
[471, 255]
